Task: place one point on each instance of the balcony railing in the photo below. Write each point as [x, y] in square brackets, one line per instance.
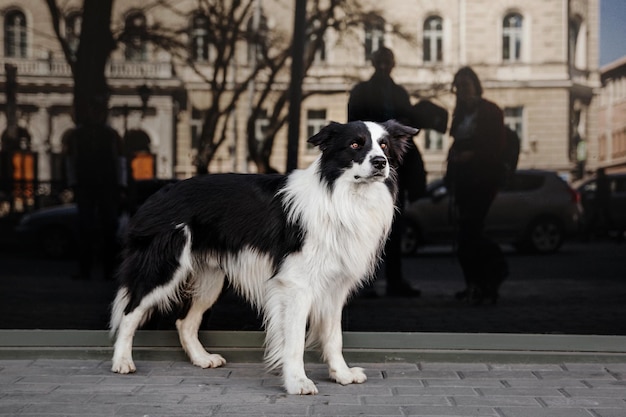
[125, 69]
[114, 69]
[37, 67]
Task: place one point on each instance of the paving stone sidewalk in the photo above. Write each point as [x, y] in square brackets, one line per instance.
[47, 387]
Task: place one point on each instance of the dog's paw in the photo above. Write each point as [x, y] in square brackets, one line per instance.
[123, 366]
[349, 376]
[302, 386]
[209, 360]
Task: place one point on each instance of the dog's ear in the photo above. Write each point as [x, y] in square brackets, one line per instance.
[322, 137]
[398, 130]
[400, 134]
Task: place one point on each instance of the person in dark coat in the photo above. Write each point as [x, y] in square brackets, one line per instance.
[380, 99]
[601, 220]
[474, 174]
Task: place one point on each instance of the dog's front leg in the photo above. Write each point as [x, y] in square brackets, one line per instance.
[331, 339]
[295, 319]
[286, 332]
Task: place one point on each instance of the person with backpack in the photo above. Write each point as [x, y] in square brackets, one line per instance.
[475, 172]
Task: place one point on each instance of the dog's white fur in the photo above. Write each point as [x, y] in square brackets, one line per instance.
[345, 230]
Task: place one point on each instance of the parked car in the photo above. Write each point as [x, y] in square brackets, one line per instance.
[53, 231]
[617, 205]
[535, 212]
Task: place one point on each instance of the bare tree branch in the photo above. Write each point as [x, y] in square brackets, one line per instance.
[56, 15]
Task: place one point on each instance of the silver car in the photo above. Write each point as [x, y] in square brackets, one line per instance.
[535, 212]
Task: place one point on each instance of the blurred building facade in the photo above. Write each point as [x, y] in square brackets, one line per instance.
[611, 143]
[536, 58]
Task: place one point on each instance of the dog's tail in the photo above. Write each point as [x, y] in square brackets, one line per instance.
[152, 273]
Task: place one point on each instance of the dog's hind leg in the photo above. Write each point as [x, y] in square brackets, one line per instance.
[126, 327]
[205, 292]
[153, 278]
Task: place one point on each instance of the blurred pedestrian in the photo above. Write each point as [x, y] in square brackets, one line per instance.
[96, 172]
[380, 99]
[474, 173]
[601, 221]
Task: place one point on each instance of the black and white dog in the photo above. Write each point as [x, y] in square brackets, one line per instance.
[294, 245]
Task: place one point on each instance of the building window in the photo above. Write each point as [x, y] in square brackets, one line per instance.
[261, 125]
[316, 39]
[577, 44]
[433, 140]
[512, 37]
[514, 119]
[135, 37]
[15, 36]
[73, 23]
[433, 40]
[200, 38]
[257, 38]
[315, 121]
[374, 35]
[197, 119]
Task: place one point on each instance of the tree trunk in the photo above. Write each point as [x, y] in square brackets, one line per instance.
[96, 44]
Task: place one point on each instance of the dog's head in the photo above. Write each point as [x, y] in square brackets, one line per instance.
[362, 151]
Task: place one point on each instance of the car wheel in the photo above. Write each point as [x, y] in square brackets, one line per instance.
[56, 242]
[410, 239]
[544, 236]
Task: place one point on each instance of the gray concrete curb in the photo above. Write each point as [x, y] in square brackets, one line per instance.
[240, 346]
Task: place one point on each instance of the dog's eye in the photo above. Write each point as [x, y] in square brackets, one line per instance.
[355, 145]
[383, 146]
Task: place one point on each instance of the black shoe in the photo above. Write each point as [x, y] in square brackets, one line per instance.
[403, 289]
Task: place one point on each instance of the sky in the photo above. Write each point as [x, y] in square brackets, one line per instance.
[612, 30]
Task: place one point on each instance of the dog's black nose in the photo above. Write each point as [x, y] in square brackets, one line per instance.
[379, 162]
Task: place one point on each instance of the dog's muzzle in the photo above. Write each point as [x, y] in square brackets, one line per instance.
[380, 167]
[378, 170]
[379, 162]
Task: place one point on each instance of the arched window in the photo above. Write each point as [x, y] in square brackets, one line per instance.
[200, 37]
[73, 23]
[512, 37]
[374, 35]
[135, 37]
[433, 40]
[15, 35]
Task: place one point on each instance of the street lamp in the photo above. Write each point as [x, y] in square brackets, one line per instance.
[144, 94]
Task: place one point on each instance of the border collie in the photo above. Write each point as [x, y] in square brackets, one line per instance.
[295, 246]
